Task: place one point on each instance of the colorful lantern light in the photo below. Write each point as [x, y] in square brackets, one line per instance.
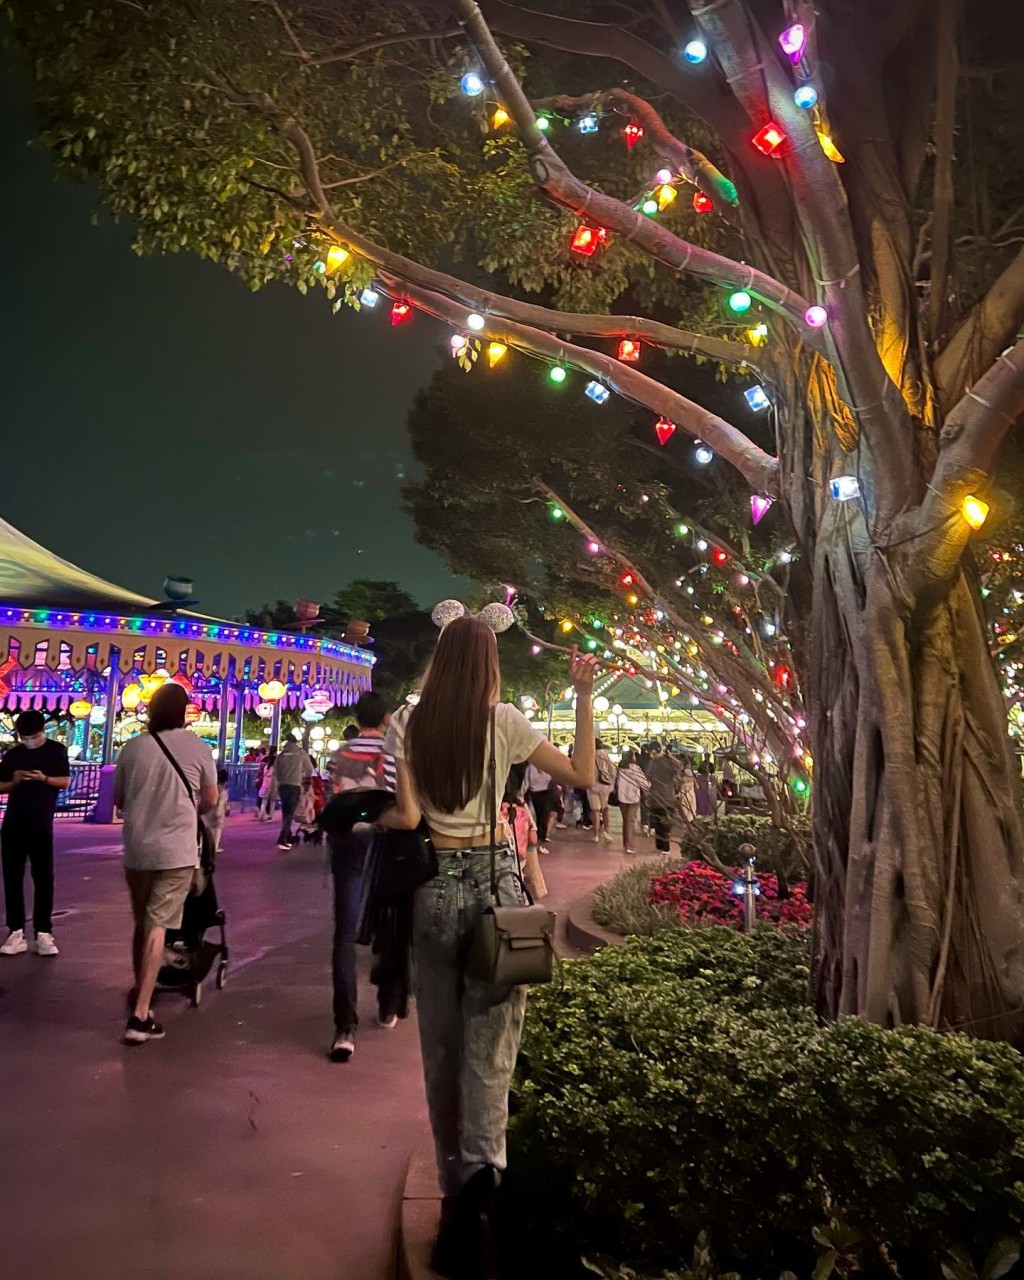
[975, 511]
[794, 41]
[597, 392]
[632, 133]
[695, 51]
[336, 257]
[756, 397]
[587, 240]
[829, 147]
[79, 709]
[400, 312]
[664, 430]
[369, 297]
[587, 123]
[471, 84]
[649, 206]
[843, 488]
[500, 117]
[816, 317]
[458, 343]
[740, 301]
[666, 193]
[629, 350]
[496, 352]
[272, 691]
[702, 203]
[757, 335]
[131, 696]
[805, 96]
[557, 373]
[703, 454]
[543, 123]
[760, 505]
[769, 138]
[475, 321]
[193, 712]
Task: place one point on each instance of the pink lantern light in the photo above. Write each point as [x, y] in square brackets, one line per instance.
[816, 316]
[794, 41]
[593, 547]
[759, 507]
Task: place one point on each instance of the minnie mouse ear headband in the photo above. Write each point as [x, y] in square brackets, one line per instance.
[499, 617]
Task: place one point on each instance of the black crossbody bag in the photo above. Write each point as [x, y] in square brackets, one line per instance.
[511, 945]
[205, 848]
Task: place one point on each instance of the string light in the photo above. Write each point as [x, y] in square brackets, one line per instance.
[649, 206]
[500, 117]
[633, 133]
[843, 488]
[769, 138]
[587, 123]
[756, 397]
[471, 84]
[587, 240]
[816, 316]
[695, 51]
[975, 511]
[740, 301]
[682, 530]
[543, 123]
[557, 373]
[593, 547]
[829, 147]
[805, 96]
[475, 321]
[703, 454]
[597, 392]
[337, 256]
[663, 176]
[369, 297]
[556, 512]
[760, 505]
[459, 343]
[629, 351]
[702, 203]
[666, 194]
[496, 352]
[757, 335]
[794, 41]
[400, 312]
[664, 430]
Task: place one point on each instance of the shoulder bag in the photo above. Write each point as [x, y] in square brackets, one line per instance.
[514, 946]
[205, 848]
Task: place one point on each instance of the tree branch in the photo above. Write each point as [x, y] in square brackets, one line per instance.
[983, 331]
[942, 184]
[556, 180]
[381, 42]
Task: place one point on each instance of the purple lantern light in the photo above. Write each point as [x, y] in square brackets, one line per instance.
[759, 506]
[794, 41]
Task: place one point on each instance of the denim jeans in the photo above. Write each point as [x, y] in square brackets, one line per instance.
[469, 1030]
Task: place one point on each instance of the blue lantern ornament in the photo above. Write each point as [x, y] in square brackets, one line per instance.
[587, 123]
[756, 397]
[598, 393]
[471, 84]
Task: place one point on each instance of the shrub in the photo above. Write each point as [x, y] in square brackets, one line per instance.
[697, 893]
[777, 850]
[680, 1085]
[623, 904]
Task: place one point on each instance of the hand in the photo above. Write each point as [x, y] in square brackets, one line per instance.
[34, 775]
[582, 671]
[21, 775]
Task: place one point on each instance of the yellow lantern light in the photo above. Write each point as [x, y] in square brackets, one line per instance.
[975, 511]
[500, 117]
[757, 335]
[150, 684]
[566, 625]
[272, 691]
[830, 148]
[131, 696]
[666, 194]
[337, 257]
[495, 352]
[79, 709]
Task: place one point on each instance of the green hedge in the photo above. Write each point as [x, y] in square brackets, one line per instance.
[777, 850]
[679, 1085]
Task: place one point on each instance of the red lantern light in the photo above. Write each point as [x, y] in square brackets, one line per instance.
[587, 240]
[626, 580]
[629, 351]
[769, 138]
[664, 430]
[400, 312]
[633, 133]
[719, 556]
[702, 203]
[783, 676]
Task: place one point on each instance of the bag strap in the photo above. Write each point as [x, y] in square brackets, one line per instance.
[176, 767]
[492, 803]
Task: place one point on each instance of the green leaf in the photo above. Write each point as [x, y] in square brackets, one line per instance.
[1003, 1255]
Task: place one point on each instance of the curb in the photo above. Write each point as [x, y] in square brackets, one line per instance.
[584, 933]
[420, 1216]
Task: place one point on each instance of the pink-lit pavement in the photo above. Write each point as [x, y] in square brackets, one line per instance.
[231, 1150]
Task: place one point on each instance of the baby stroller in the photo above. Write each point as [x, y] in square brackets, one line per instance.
[188, 956]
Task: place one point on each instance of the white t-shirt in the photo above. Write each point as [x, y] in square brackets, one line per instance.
[159, 818]
[515, 740]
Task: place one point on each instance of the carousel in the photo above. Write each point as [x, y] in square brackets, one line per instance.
[73, 643]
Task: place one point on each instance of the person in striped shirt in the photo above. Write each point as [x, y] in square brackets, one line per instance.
[360, 764]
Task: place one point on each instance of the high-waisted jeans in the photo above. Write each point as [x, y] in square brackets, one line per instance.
[469, 1030]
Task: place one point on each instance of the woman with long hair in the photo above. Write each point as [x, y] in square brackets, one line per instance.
[469, 1029]
[632, 785]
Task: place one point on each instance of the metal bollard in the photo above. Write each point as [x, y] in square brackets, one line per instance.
[748, 888]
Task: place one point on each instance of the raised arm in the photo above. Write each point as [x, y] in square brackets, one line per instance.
[581, 770]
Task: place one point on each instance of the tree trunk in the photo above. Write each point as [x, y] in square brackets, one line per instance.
[917, 816]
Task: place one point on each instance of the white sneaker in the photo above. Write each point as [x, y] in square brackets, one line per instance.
[15, 943]
[388, 1024]
[45, 945]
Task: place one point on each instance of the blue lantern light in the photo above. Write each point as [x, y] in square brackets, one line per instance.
[369, 297]
[598, 393]
[756, 397]
[703, 454]
[471, 84]
[695, 51]
[806, 96]
[587, 123]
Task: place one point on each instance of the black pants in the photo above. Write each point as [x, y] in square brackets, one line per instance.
[543, 803]
[586, 817]
[36, 848]
[661, 819]
[348, 853]
[289, 794]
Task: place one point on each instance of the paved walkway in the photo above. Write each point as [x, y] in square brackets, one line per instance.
[233, 1148]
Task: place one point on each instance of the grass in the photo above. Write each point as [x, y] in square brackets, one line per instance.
[622, 904]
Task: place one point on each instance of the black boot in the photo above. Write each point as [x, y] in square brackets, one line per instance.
[464, 1249]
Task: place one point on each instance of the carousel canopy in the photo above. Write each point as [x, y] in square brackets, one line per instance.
[60, 626]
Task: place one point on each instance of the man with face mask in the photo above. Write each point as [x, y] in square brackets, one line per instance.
[31, 774]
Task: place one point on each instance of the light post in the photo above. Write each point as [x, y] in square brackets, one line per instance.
[617, 719]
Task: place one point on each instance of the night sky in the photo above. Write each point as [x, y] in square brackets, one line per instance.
[160, 418]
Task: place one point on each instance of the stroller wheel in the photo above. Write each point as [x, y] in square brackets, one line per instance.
[197, 995]
[222, 974]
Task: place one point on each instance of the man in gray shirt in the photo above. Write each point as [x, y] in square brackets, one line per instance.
[160, 837]
[292, 769]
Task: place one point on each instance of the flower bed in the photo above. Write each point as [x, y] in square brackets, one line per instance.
[702, 895]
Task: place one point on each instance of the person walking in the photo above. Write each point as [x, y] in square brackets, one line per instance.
[361, 764]
[469, 1029]
[632, 785]
[266, 786]
[663, 775]
[687, 792]
[31, 774]
[292, 769]
[163, 781]
[599, 793]
[538, 792]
